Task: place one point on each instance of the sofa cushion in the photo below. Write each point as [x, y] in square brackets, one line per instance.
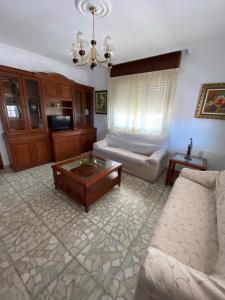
[220, 206]
[142, 144]
[187, 228]
[205, 178]
[125, 156]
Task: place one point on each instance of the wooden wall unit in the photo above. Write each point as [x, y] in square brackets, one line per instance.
[26, 100]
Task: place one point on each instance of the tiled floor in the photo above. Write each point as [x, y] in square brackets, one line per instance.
[51, 249]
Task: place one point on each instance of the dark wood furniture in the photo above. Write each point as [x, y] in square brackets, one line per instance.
[86, 177]
[27, 99]
[196, 162]
[155, 63]
[1, 162]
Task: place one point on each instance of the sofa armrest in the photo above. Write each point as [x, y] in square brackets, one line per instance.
[163, 277]
[205, 178]
[100, 144]
[156, 157]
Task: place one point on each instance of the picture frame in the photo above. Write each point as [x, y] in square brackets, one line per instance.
[211, 102]
[101, 102]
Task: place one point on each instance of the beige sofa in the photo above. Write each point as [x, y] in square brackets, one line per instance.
[141, 155]
[186, 257]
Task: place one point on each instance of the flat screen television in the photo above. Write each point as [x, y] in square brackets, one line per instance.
[59, 122]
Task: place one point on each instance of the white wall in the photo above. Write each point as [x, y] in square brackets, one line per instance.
[203, 64]
[18, 58]
[99, 79]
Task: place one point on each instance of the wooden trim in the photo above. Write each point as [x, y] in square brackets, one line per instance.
[150, 64]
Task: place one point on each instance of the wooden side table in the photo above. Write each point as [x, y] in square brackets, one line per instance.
[198, 163]
[1, 162]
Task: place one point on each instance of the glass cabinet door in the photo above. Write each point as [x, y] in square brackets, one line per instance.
[88, 107]
[78, 97]
[13, 102]
[34, 103]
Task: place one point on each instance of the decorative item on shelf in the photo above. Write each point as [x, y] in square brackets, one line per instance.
[211, 103]
[101, 102]
[189, 149]
[86, 112]
[79, 50]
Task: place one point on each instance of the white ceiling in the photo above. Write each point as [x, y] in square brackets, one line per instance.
[139, 29]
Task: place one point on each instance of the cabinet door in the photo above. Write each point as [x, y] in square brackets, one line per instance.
[34, 104]
[22, 155]
[78, 108]
[65, 146]
[51, 90]
[88, 108]
[65, 92]
[42, 150]
[13, 105]
[87, 140]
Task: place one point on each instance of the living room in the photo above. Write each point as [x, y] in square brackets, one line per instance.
[111, 165]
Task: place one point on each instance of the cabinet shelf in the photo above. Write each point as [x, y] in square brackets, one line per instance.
[58, 107]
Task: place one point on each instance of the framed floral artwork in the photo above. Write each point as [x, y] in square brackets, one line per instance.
[211, 103]
[101, 102]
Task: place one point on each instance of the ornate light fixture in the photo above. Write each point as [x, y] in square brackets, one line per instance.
[80, 50]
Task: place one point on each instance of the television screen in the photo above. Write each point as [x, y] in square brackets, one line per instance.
[59, 122]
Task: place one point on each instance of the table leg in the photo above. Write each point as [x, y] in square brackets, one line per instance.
[168, 175]
[119, 175]
[54, 177]
[86, 199]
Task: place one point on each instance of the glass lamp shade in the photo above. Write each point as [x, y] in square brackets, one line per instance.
[81, 41]
[108, 45]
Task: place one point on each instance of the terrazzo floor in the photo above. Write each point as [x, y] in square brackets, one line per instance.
[51, 249]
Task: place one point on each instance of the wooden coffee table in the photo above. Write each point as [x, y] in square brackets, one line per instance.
[196, 162]
[86, 177]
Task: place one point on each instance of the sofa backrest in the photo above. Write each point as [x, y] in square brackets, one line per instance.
[220, 207]
[139, 143]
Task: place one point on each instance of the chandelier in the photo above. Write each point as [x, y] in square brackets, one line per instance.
[84, 53]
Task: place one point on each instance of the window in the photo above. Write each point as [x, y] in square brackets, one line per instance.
[142, 102]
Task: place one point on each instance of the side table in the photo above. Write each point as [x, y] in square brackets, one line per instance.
[196, 162]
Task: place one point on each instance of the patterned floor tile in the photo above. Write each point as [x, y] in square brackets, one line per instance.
[25, 238]
[29, 193]
[76, 235]
[6, 189]
[103, 257]
[107, 244]
[74, 283]
[15, 218]
[124, 228]
[40, 203]
[9, 202]
[59, 216]
[20, 180]
[42, 265]
[11, 286]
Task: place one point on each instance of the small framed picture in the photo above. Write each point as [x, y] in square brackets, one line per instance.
[211, 103]
[101, 102]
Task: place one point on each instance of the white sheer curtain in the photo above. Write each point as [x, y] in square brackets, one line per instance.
[142, 102]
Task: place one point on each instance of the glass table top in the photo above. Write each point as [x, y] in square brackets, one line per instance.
[194, 159]
[88, 166]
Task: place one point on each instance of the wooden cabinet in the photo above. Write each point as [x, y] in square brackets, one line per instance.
[87, 139]
[27, 152]
[27, 100]
[84, 113]
[42, 150]
[65, 145]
